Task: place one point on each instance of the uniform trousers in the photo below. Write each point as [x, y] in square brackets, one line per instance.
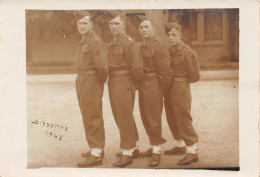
[151, 106]
[177, 104]
[122, 96]
[90, 92]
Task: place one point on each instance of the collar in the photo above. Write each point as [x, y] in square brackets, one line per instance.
[119, 38]
[87, 37]
[176, 48]
[148, 41]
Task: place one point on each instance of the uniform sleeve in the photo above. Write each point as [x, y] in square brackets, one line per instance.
[163, 62]
[76, 58]
[192, 64]
[99, 54]
[133, 55]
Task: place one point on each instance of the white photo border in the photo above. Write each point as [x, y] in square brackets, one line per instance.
[13, 99]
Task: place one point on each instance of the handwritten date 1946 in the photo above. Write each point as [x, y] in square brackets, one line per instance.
[51, 134]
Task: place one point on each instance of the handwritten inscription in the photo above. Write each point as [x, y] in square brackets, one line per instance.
[54, 127]
[47, 124]
[51, 134]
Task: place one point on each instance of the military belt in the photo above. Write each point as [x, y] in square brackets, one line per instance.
[87, 72]
[180, 79]
[150, 74]
[120, 72]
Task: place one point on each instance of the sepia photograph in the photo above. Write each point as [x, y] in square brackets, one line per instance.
[133, 88]
[129, 88]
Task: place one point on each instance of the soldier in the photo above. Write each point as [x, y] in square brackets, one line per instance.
[92, 69]
[157, 78]
[177, 101]
[125, 69]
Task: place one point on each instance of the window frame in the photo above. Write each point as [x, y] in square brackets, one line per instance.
[201, 41]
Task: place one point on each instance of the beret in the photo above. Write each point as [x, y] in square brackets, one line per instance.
[82, 14]
[169, 26]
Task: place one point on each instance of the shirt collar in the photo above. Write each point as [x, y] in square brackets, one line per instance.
[148, 41]
[87, 37]
[176, 48]
[119, 38]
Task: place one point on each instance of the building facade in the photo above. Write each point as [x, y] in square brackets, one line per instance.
[52, 37]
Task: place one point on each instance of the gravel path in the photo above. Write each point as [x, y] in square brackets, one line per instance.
[56, 134]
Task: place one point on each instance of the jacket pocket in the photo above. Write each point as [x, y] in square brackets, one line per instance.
[116, 56]
[118, 50]
[178, 60]
[147, 52]
[178, 65]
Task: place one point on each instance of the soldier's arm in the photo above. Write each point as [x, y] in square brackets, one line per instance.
[99, 54]
[133, 55]
[192, 64]
[163, 62]
[75, 59]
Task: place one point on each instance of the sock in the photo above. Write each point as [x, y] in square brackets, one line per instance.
[128, 152]
[192, 149]
[96, 152]
[157, 149]
[179, 143]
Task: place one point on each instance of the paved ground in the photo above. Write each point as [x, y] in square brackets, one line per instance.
[52, 99]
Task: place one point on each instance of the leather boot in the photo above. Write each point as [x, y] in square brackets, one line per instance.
[147, 153]
[123, 161]
[155, 160]
[176, 151]
[188, 159]
[90, 161]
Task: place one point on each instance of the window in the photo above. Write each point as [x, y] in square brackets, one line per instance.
[213, 25]
[193, 24]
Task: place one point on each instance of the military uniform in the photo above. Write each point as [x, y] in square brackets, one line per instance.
[125, 68]
[92, 69]
[178, 99]
[157, 77]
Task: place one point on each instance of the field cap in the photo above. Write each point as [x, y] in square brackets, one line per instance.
[113, 14]
[171, 25]
[143, 18]
[83, 14]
